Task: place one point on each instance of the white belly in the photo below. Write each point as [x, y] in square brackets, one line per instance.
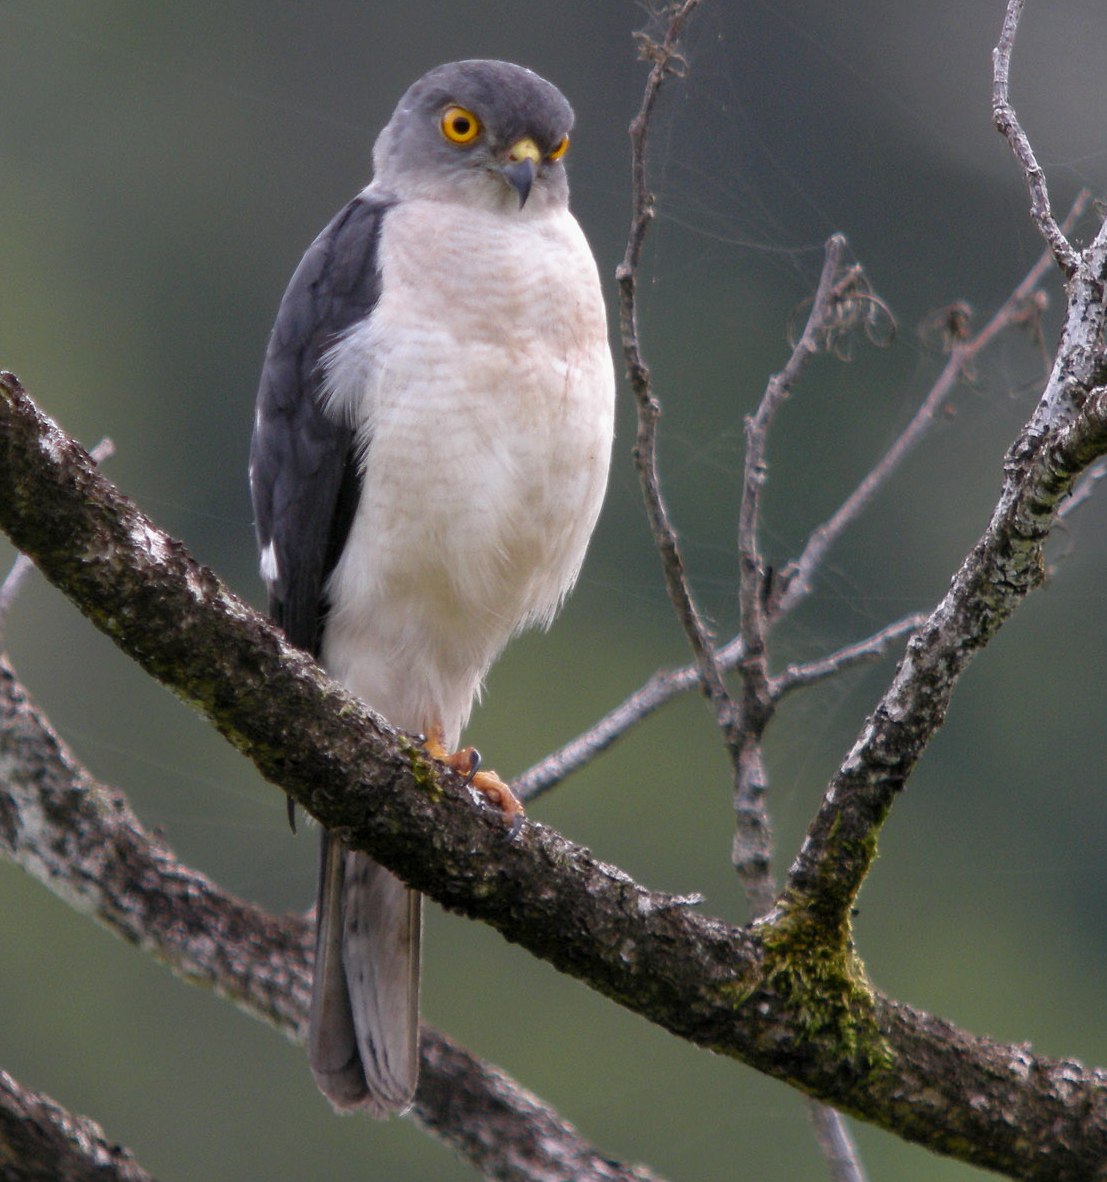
[483, 381]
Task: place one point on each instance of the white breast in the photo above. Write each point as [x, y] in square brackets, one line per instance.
[483, 382]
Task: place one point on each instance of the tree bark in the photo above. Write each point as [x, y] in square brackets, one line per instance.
[786, 995]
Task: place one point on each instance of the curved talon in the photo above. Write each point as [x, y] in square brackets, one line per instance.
[466, 762]
[515, 826]
[474, 764]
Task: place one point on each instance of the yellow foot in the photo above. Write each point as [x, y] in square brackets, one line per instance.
[466, 762]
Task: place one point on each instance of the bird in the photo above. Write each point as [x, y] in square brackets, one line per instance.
[430, 452]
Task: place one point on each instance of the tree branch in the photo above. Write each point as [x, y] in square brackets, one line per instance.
[1007, 123]
[768, 996]
[22, 567]
[41, 1142]
[787, 995]
[836, 1144]
[1004, 566]
[871, 648]
[83, 842]
[1065, 436]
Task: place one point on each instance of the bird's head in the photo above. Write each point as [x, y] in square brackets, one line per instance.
[483, 131]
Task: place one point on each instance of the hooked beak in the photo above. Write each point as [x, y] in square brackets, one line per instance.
[521, 167]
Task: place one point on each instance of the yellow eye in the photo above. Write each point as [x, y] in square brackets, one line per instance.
[560, 150]
[460, 126]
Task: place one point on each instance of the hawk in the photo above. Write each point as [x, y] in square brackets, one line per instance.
[430, 451]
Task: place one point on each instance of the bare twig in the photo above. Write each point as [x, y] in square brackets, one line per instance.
[665, 61]
[836, 1143]
[667, 684]
[1083, 489]
[1065, 436]
[756, 702]
[796, 579]
[752, 850]
[870, 649]
[10, 588]
[1006, 121]
[662, 687]
[753, 841]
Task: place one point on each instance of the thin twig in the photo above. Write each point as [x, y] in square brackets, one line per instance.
[665, 61]
[667, 684]
[1081, 493]
[753, 840]
[1040, 470]
[1065, 437]
[1082, 490]
[1006, 121]
[797, 577]
[10, 588]
[751, 574]
[836, 1143]
[870, 649]
[753, 833]
[742, 725]
[662, 687]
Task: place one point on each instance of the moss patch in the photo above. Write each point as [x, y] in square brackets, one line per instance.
[423, 769]
[819, 977]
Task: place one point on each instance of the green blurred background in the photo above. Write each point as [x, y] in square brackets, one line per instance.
[162, 168]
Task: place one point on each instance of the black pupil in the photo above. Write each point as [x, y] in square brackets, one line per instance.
[461, 125]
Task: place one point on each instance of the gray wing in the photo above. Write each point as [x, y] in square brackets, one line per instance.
[303, 477]
[305, 485]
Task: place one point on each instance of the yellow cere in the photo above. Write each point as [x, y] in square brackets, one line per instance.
[460, 126]
[524, 149]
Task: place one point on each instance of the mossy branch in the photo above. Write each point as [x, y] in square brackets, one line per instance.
[791, 1001]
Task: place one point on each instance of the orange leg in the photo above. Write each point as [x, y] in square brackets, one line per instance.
[466, 762]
